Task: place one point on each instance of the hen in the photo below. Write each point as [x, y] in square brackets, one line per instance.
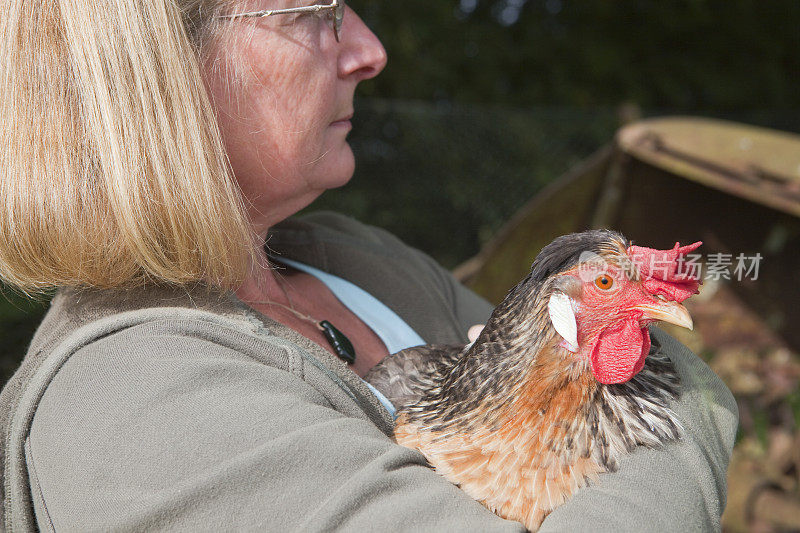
[559, 383]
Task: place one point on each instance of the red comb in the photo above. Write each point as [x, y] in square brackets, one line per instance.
[666, 272]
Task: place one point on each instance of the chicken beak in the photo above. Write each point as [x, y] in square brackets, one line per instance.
[667, 311]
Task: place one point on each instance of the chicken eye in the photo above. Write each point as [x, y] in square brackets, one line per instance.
[604, 282]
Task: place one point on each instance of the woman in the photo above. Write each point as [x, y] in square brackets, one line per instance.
[182, 378]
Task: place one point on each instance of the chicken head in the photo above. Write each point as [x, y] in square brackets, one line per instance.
[602, 307]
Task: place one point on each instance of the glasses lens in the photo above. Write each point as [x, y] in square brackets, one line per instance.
[338, 17]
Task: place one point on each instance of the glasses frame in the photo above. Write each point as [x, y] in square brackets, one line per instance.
[336, 7]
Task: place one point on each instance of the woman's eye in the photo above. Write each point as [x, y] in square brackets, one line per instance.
[604, 282]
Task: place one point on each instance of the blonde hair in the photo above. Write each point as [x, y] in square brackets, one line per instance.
[113, 169]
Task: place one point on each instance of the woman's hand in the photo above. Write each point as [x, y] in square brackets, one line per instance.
[474, 332]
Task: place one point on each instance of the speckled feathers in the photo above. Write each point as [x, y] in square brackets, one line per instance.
[516, 420]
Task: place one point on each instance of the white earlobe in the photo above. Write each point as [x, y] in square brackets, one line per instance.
[563, 319]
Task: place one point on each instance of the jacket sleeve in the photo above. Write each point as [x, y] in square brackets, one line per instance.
[681, 487]
[148, 431]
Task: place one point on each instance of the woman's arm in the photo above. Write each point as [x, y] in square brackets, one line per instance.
[148, 429]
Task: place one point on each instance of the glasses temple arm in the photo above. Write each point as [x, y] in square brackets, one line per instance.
[269, 12]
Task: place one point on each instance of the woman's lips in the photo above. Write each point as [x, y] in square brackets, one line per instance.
[344, 121]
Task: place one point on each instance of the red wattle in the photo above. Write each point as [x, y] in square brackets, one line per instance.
[619, 353]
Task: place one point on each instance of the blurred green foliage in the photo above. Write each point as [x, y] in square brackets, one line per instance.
[19, 318]
[486, 101]
[697, 56]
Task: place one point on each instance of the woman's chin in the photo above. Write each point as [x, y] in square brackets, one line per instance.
[343, 168]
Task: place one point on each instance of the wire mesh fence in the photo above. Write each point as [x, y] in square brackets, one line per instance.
[445, 178]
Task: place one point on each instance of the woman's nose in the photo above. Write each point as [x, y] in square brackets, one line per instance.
[363, 55]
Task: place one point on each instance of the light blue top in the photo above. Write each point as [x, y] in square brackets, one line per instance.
[387, 325]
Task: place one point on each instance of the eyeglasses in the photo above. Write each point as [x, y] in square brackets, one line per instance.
[335, 10]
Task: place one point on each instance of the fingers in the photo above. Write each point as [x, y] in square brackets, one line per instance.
[474, 331]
